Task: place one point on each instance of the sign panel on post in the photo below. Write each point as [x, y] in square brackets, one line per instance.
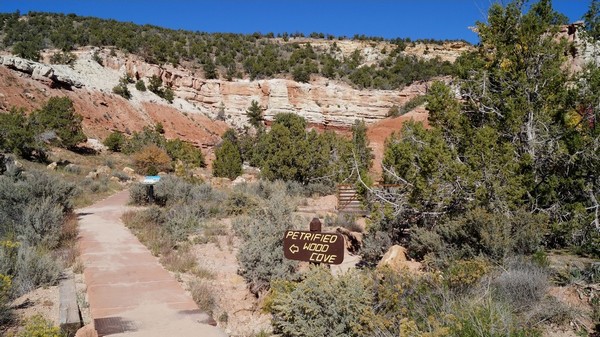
[315, 247]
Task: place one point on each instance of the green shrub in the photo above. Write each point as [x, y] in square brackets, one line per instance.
[140, 85]
[464, 274]
[18, 136]
[228, 161]
[139, 140]
[115, 141]
[184, 151]
[168, 94]
[96, 57]
[63, 58]
[323, 305]
[38, 326]
[122, 90]
[6, 313]
[58, 117]
[418, 300]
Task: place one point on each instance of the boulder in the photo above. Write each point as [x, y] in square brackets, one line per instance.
[220, 182]
[239, 180]
[395, 258]
[248, 177]
[52, 166]
[128, 171]
[87, 331]
[95, 145]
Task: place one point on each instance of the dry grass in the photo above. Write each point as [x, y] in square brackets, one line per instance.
[148, 232]
[180, 261]
[68, 240]
[203, 273]
[202, 294]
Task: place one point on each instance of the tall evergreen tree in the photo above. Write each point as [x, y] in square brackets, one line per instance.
[255, 115]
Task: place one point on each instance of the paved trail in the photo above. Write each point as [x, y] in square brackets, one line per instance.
[129, 292]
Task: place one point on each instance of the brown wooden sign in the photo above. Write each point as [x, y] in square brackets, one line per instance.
[317, 247]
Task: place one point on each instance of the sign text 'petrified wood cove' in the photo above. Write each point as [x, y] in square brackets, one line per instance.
[315, 247]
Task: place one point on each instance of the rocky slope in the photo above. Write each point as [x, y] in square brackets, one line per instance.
[321, 102]
[192, 116]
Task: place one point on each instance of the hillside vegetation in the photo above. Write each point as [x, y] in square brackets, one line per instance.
[503, 178]
[218, 54]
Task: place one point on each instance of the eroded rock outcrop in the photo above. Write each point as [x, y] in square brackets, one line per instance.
[321, 102]
[39, 71]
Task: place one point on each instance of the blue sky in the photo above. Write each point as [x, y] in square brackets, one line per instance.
[438, 19]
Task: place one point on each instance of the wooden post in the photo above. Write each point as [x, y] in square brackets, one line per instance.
[315, 225]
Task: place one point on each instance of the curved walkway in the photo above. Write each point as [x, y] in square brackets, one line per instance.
[129, 292]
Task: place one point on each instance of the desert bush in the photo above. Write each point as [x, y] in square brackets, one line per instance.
[171, 190]
[404, 300]
[147, 226]
[264, 189]
[138, 140]
[38, 326]
[345, 220]
[375, 244]
[190, 155]
[34, 267]
[151, 159]
[41, 224]
[228, 162]
[313, 189]
[202, 294]
[323, 305]
[30, 194]
[261, 253]
[6, 314]
[115, 141]
[463, 274]
[203, 273]
[488, 318]
[58, 117]
[140, 85]
[138, 194]
[239, 203]
[181, 220]
[521, 283]
[63, 58]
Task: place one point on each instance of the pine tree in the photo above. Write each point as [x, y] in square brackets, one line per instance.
[254, 113]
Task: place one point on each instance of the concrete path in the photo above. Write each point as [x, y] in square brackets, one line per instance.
[129, 292]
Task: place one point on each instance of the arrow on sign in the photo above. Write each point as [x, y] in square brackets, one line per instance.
[294, 249]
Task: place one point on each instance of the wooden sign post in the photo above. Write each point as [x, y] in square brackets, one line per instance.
[314, 246]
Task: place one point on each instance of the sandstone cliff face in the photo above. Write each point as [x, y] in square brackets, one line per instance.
[321, 102]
